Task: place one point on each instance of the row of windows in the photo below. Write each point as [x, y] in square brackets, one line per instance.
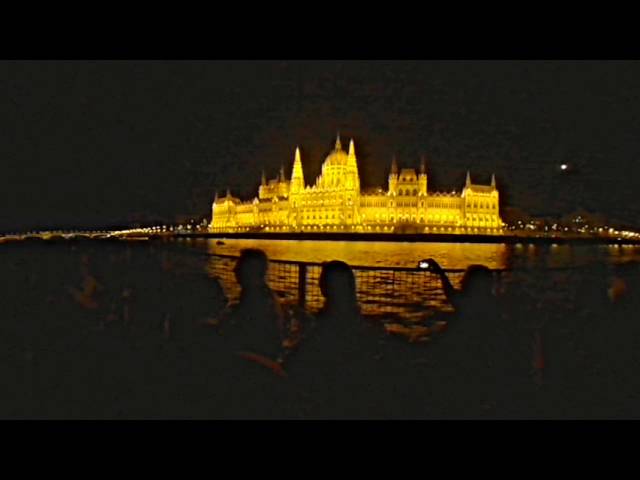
[431, 204]
[332, 218]
[407, 192]
[320, 202]
[484, 205]
[380, 204]
[443, 204]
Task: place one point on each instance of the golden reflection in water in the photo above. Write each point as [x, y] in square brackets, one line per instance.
[382, 291]
[384, 254]
[411, 294]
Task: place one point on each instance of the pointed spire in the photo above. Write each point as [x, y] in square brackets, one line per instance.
[468, 182]
[351, 158]
[338, 144]
[423, 168]
[282, 173]
[297, 177]
[394, 166]
[228, 193]
[493, 180]
[215, 199]
[264, 178]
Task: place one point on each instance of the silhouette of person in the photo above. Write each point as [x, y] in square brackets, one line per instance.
[338, 286]
[477, 288]
[477, 339]
[256, 323]
[337, 365]
[325, 341]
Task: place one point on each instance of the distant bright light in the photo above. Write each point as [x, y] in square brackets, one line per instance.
[564, 166]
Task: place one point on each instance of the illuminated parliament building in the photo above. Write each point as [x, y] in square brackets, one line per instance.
[335, 202]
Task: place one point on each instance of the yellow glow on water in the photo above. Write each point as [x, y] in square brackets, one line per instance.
[380, 291]
[409, 294]
[384, 254]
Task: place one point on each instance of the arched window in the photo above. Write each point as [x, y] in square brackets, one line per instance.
[415, 192]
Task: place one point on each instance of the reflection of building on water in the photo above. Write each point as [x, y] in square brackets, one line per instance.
[372, 254]
[336, 203]
[401, 291]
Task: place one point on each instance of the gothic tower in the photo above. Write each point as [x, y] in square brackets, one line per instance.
[393, 177]
[353, 179]
[297, 176]
[422, 178]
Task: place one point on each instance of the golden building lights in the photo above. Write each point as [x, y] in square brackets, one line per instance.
[336, 203]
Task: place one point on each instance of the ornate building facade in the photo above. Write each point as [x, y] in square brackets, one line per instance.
[335, 202]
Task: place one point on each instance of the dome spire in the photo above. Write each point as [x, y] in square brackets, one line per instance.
[264, 178]
[352, 149]
[423, 168]
[338, 144]
[282, 173]
[468, 182]
[493, 180]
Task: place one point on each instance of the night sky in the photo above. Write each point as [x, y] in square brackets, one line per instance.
[90, 144]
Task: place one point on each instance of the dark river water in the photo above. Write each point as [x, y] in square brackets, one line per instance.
[388, 281]
[98, 329]
[400, 292]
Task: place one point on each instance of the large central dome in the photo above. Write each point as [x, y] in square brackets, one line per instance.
[337, 156]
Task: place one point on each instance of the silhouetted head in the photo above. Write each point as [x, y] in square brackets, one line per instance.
[338, 286]
[251, 268]
[477, 282]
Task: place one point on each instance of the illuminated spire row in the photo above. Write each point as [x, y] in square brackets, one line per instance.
[335, 202]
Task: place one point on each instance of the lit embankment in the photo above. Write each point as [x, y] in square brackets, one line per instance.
[62, 235]
[508, 237]
[516, 233]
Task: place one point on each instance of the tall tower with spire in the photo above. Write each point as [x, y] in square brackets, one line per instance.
[393, 177]
[296, 190]
[422, 178]
[352, 187]
[283, 185]
[353, 178]
[297, 175]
